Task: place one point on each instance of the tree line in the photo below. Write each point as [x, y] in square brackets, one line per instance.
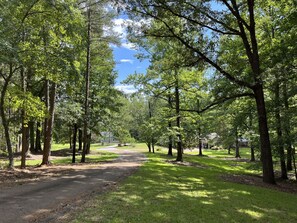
[56, 74]
[229, 62]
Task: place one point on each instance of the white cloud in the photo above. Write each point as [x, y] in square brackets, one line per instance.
[126, 61]
[128, 89]
[129, 46]
[120, 28]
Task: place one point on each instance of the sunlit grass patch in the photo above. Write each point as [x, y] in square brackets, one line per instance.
[165, 192]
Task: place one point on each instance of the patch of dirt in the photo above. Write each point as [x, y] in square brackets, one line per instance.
[17, 176]
[288, 186]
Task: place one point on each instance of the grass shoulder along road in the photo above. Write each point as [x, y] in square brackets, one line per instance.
[162, 191]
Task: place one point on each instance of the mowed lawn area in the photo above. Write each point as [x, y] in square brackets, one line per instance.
[196, 191]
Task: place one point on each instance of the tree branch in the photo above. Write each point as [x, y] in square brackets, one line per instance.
[219, 101]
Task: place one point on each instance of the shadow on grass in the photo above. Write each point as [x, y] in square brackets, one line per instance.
[163, 192]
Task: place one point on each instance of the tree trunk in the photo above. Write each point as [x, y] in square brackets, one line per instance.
[149, 147]
[152, 136]
[32, 136]
[252, 153]
[5, 122]
[38, 138]
[79, 139]
[169, 127]
[237, 155]
[70, 138]
[251, 138]
[50, 124]
[266, 155]
[25, 127]
[177, 113]
[87, 90]
[287, 128]
[89, 143]
[280, 145]
[294, 162]
[74, 142]
[199, 142]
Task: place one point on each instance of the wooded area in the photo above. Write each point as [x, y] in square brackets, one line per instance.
[222, 73]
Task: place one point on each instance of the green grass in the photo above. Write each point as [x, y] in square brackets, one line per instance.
[94, 157]
[59, 146]
[163, 192]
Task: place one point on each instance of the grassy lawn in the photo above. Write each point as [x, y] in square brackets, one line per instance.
[64, 156]
[164, 192]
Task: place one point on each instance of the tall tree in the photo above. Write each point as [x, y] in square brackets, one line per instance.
[224, 18]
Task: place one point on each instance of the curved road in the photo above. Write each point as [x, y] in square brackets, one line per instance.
[46, 201]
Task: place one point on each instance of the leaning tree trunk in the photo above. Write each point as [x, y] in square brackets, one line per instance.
[87, 90]
[50, 124]
[266, 155]
[4, 119]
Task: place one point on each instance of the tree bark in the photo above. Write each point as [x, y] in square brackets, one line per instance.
[294, 162]
[25, 127]
[79, 139]
[280, 145]
[152, 136]
[87, 90]
[199, 142]
[169, 127]
[32, 136]
[149, 147]
[287, 128]
[177, 113]
[252, 153]
[74, 142]
[4, 119]
[89, 143]
[50, 124]
[266, 155]
[237, 155]
[38, 138]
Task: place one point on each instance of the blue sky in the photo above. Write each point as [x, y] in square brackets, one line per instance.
[127, 63]
[125, 56]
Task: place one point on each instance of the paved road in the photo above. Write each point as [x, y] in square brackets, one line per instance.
[41, 201]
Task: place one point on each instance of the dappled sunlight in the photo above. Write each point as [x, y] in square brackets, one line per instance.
[235, 191]
[165, 192]
[253, 214]
[207, 202]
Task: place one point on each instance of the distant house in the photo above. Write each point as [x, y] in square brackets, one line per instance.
[108, 137]
[243, 142]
